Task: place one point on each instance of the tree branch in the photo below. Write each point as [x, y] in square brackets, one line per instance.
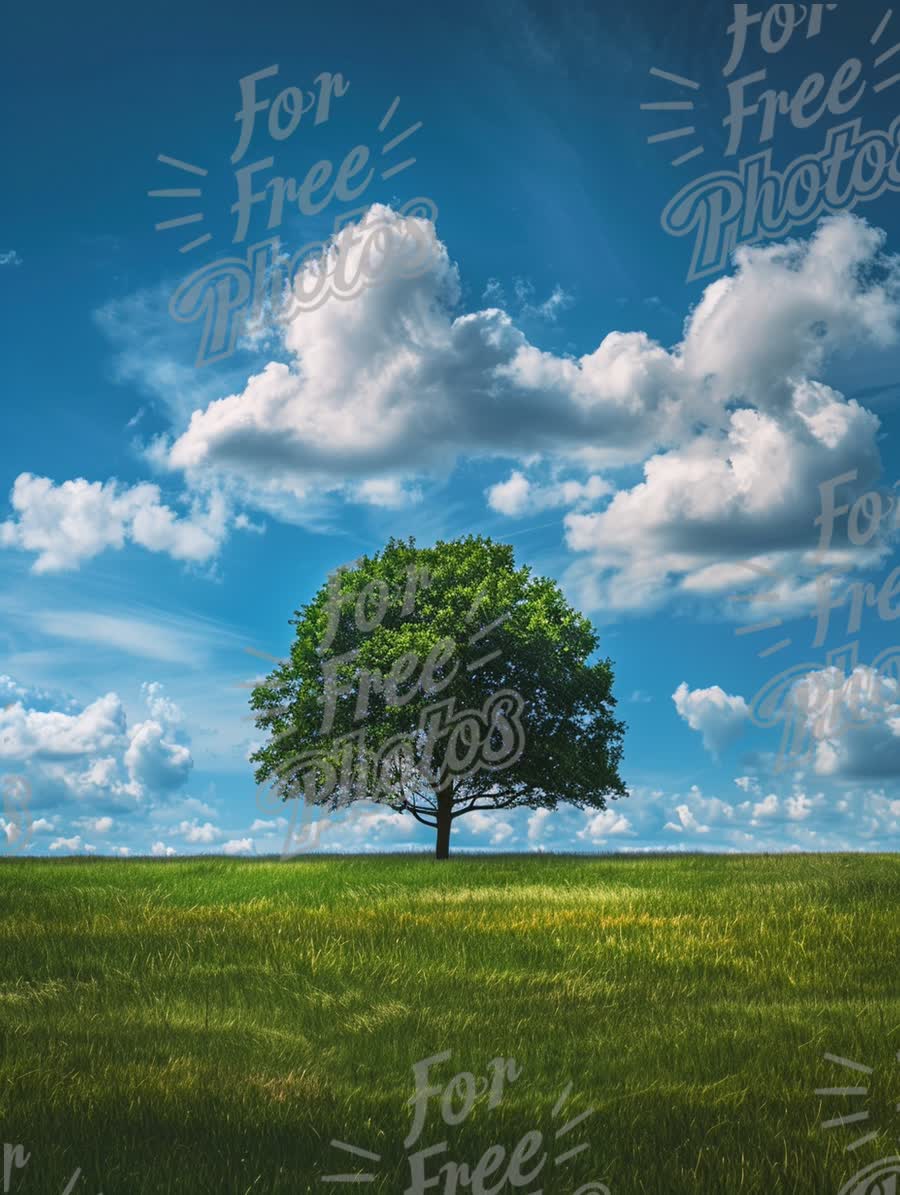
[502, 801]
[418, 816]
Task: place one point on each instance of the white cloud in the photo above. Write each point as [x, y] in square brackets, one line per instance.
[518, 496]
[26, 734]
[363, 826]
[392, 377]
[398, 385]
[526, 309]
[843, 726]
[166, 638]
[155, 760]
[263, 826]
[161, 707]
[767, 807]
[849, 725]
[724, 497]
[539, 823]
[67, 844]
[748, 481]
[75, 521]
[13, 693]
[686, 821]
[10, 257]
[194, 832]
[387, 492]
[799, 807]
[393, 381]
[800, 299]
[160, 849]
[717, 716]
[558, 300]
[12, 830]
[498, 829]
[100, 825]
[781, 817]
[238, 846]
[94, 753]
[605, 824]
[510, 497]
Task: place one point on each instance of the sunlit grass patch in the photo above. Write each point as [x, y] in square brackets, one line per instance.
[211, 1025]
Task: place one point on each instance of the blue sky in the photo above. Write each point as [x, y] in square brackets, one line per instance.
[549, 377]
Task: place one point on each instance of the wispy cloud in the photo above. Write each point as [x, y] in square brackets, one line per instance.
[138, 631]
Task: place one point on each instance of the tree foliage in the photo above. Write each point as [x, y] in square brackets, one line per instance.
[401, 661]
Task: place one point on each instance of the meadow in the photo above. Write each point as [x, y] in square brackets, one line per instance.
[212, 1025]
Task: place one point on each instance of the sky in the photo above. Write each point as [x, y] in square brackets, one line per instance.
[642, 323]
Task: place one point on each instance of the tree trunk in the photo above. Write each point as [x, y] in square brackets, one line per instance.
[444, 822]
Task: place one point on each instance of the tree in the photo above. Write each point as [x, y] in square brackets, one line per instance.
[440, 681]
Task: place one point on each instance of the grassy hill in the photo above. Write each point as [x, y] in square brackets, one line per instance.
[211, 1025]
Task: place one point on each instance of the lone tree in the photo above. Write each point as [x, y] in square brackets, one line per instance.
[440, 681]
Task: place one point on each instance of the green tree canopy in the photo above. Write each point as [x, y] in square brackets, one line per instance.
[439, 681]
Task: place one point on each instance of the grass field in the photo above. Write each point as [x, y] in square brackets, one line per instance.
[211, 1025]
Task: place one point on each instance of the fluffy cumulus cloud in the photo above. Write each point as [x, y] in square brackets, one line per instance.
[495, 828]
[732, 429]
[749, 493]
[539, 825]
[399, 380]
[72, 846]
[754, 816]
[15, 830]
[238, 846]
[827, 721]
[603, 825]
[82, 756]
[785, 306]
[746, 481]
[45, 700]
[64, 525]
[363, 827]
[368, 399]
[519, 495]
[27, 734]
[195, 832]
[847, 725]
[387, 492]
[155, 760]
[273, 825]
[99, 825]
[716, 715]
[779, 817]
[745, 815]
[687, 820]
[158, 758]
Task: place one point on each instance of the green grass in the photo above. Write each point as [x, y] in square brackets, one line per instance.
[210, 1025]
